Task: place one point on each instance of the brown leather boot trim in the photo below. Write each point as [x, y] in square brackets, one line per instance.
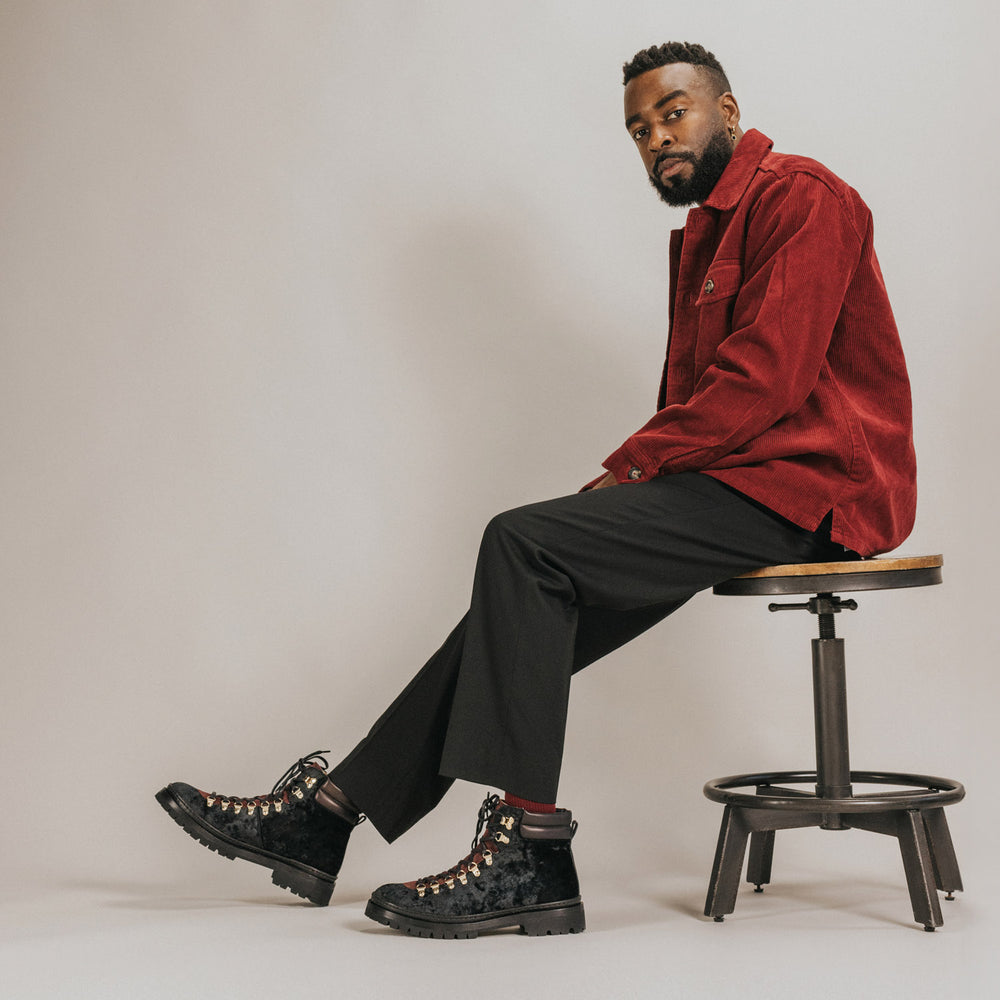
[330, 797]
[547, 826]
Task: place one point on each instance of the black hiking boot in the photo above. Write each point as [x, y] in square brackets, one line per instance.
[520, 873]
[299, 830]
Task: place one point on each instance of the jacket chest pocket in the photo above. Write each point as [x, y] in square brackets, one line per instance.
[714, 306]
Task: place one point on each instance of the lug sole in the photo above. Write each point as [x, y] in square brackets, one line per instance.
[554, 918]
[309, 883]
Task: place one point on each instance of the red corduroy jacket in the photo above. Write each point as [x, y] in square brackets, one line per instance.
[784, 376]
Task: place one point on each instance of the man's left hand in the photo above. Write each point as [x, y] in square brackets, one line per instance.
[607, 480]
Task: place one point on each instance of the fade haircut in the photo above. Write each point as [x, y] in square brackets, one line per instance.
[677, 52]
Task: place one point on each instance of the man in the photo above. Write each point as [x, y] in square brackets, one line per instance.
[782, 434]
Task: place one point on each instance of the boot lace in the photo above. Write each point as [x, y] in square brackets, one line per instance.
[482, 852]
[288, 786]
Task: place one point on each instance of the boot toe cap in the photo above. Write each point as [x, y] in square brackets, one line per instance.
[394, 894]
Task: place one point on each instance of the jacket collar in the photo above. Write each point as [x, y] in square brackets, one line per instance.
[747, 157]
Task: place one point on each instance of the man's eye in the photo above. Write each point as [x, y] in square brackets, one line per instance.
[639, 133]
[677, 113]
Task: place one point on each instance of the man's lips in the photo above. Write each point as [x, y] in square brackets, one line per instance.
[667, 166]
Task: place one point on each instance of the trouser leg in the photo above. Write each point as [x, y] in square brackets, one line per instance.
[557, 585]
[393, 774]
[623, 548]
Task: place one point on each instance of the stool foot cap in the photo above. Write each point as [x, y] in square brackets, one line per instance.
[719, 920]
[927, 927]
[759, 888]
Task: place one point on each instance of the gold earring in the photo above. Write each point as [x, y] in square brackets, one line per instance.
[732, 133]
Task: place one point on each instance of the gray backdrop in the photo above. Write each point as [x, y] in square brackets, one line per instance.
[296, 296]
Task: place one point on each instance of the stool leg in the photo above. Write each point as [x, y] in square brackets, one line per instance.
[729, 854]
[946, 874]
[760, 858]
[919, 867]
[761, 853]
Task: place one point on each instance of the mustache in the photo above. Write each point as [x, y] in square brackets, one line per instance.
[666, 157]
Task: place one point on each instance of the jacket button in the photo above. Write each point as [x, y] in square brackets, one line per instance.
[635, 472]
[709, 286]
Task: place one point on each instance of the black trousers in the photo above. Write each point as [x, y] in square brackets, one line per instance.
[558, 585]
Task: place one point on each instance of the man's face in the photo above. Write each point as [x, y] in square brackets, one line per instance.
[680, 127]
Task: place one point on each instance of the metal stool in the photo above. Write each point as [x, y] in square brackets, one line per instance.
[915, 816]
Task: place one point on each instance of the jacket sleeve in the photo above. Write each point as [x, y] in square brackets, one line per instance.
[802, 248]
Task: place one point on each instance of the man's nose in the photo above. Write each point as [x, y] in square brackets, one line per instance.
[660, 138]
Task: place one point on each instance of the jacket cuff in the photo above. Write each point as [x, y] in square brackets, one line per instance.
[629, 467]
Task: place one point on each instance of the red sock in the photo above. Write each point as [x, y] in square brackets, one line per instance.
[533, 807]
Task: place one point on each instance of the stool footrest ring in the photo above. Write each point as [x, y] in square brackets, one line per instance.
[921, 791]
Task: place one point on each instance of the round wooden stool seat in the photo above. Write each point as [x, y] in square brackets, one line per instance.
[816, 578]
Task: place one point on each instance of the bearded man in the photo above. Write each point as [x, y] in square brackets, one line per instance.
[782, 434]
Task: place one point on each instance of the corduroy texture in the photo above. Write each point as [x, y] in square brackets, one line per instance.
[785, 376]
[524, 873]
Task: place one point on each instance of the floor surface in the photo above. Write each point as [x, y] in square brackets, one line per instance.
[233, 935]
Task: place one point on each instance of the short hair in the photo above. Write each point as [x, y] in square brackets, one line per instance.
[677, 52]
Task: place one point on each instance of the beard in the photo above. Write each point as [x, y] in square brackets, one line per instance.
[705, 173]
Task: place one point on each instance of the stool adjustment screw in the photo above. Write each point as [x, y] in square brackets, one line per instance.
[825, 606]
[827, 626]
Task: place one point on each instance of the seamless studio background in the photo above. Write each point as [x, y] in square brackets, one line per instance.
[295, 297]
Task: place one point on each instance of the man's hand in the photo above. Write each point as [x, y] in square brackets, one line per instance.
[607, 480]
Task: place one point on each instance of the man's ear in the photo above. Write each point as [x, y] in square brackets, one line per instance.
[729, 109]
